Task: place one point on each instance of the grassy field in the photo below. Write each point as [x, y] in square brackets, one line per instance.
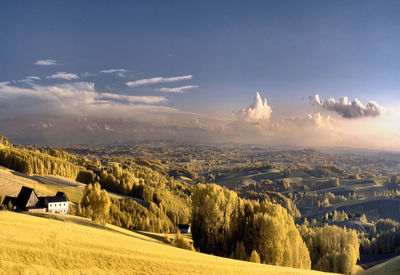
[391, 267]
[11, 183]
[73, 245]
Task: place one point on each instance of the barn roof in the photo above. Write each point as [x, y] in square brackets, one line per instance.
[24, 195]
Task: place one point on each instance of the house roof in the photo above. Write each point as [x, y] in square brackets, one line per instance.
[56, 199]
[183, 226]
[24, 195]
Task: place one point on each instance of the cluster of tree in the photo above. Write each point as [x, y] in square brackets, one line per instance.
[311, 201]
[384, 238]
[86, 177]
[332, 249]
[333, 182]
[272, 197]
[321, 171]
[226, 225]
[129, 214]
[4, 143]
[337, 216]
[393, 183]
[132, 215]
[144, 183]
[33, 162]
[95, 203]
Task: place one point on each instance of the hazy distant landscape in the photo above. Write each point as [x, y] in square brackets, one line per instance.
[199, 137]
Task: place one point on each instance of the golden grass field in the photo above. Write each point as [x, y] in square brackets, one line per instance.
[73, 245]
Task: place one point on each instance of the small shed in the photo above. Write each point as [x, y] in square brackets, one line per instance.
[184, 228]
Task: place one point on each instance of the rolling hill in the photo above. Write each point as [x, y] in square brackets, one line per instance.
[390, 267]
[71, 244]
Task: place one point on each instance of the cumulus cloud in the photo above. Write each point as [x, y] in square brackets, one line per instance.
[118, 72]
[348, 109]
[178, 90]
[156, 80]
[63, 75]
[45, 62]
[257, 112]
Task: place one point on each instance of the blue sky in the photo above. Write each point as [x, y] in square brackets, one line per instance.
[287, 50]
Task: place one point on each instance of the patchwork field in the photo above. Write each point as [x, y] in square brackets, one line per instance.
[74, 245]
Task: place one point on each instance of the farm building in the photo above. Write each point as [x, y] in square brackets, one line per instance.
[184, 228]
[28, 200]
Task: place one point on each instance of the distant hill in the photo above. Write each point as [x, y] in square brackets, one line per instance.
[391, 267]
[47, 246]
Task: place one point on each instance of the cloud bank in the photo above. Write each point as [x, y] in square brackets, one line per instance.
[348, 109]
[257, 112]
[73, 98]
[46, 62]
[156, 80]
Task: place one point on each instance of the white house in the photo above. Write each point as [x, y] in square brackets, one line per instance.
[57, 203]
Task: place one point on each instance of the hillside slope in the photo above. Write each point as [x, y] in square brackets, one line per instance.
[390, 267]
[46, 246]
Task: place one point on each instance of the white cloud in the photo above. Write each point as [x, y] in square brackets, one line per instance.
[348, 109]
[118, 72]
[257, 112]
[46, 62]
[156, 80]
[32, 77]
[63, 75]
[78, 97]
[135, 99]
[178, 90]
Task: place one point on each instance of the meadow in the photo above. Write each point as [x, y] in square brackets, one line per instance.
[74, 245]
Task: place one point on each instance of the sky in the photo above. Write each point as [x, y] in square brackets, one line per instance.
[302, 73]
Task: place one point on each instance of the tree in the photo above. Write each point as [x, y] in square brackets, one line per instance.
[254, 257]
[86, 177]
[95, 203]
